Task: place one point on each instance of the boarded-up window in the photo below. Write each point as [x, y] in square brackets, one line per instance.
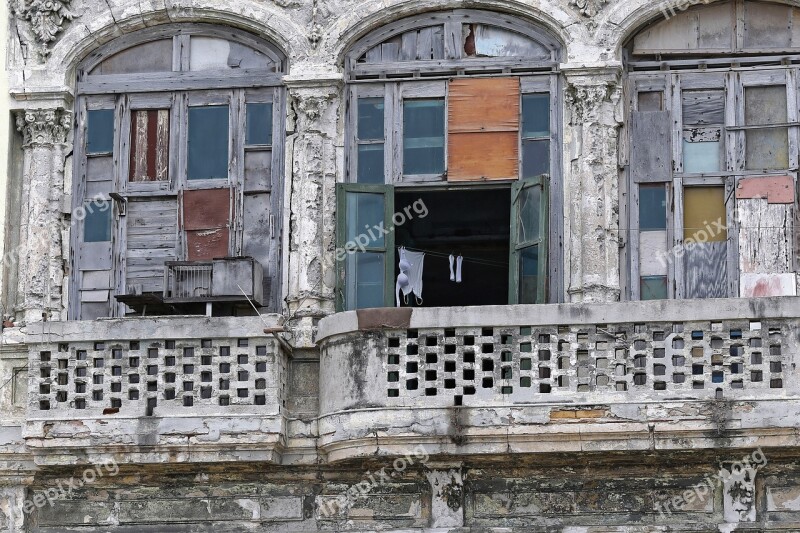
[705, 240]
[149, 145]
[483, 129]
[206, 221]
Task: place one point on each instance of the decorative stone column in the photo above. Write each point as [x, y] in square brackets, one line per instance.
[591, 184]
[41, 262]
[314, 154]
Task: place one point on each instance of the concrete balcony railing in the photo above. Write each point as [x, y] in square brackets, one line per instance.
[204, 388]
[519, 378]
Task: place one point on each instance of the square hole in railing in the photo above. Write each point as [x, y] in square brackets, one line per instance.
[717, 343]
[62, 379]
[449, 384]
[525, 363]
[97, 396]
[412, 333]
[601, 345]
[506, 357]
[224, 351]
[224, 368]
[242, 359]
[775, 349]
[506, 338]
[659, 370]
[545, 388]
[116, 370]
[469, 374]
[525, 382]
[133, 394]
[525, 331]
[152, 370]
[563, 363]
[206, 377]
[188, 351]
[659, 353]
[205, 343]
[394, 342]
[677, 328]
[658, 336]
[261, 384]
[621, 386]
[602, 381]
[152, 352]
[97, 379]
[169, 345]
[601, 363]
[737, 350]
[697, 385]
[80, 355]
[188, 386]
[116, 403]
[697, 335]
[544, 355]
[412, 349]
[133, 378]
[775, 367]
[430, 375]
[80, 387]
[393, 377]
[737, 384]
[243, 375]
[133, 362]
[449, 366]
[639, 345]
[412, 367]
[224, 401]
[224, 384]
[169, 377]
[80, 372]
[563, 381]
[736, 334]
[544, 372]
[717, 376]
[133, 345]
[431, 359]
[99, 346]
[756, 358]
[469, 357]
[188, 369]
[487, 365]
[487, 348]
[169, 394]
[487, 383]
[44, 372]
[63, 347]
[487, 332]
[677, 343]
[449, 332]
[679, 378]
[583, 337]
[469, 340]
[261, 366]
[242, 343]
[544, 338]
[449, 349]
[640, 379]
[776, 383]
[430, 391]
[152, 386]
[63, 364]
[506, 390]
[506, 373]
[99, 362]
[621, 353]
[697, 370]
[755, 342]
[525, 347]
[116, 387]
[80, 403]
[242, 393]
[188, 401]
[393, 393]
[260, 399]
[169, 360]
[431, 340]
[469, 391]
[737, 368]
[412, 384]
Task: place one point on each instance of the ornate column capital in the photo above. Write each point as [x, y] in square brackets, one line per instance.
[589, 87]
[311, 98]
[44, 127]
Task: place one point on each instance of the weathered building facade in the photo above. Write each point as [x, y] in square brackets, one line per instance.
[219, 216]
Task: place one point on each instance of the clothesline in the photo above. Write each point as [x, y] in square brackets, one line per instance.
[477, 261]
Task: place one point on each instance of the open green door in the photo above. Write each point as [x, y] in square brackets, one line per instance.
[529, 229]
[365, 246]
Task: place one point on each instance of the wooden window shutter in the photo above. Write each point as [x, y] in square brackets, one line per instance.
[206, 221]
[483, 129]
[651, 147]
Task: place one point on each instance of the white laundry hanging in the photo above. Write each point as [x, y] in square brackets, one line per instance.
[456, 275]
[410, 278]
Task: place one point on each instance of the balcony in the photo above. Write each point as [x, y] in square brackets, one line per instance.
[156, 389]
[667, 375]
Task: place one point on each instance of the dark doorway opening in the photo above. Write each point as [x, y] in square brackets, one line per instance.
[472, 223]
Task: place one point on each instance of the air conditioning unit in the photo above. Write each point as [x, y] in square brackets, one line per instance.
[229, 279]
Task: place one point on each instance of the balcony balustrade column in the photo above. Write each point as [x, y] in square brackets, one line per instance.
[314, 153]
[591, 191]
[39, 255]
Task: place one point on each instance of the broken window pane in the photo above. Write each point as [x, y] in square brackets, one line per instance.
[370, 163]
[365, 283]
[653, 288]
[97, 223]
[149, 160]
[259, 124]
[208, 143]
[370, 119]
[423, 136]
[704, 107]
[481, 40]
[529, 275]
[535, 158]
[154, 56]
[365, 211]
[100, 131]
[651, 101]
[530, 203]
[211, 53]
[652, 207]
[535, 115]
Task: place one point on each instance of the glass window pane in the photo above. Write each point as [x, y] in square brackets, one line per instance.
[365, 211]
[208, 143]
[704, 208]
[765, 105]
[652, 207]
[535, 158]
[370, 163]
[423, 136]
[653, 288]
[97, 223]
[530, 205]
[701, 157]
[651, 100]
[370, 119]
[536, 115]
[100, 131]
[365, 283]
[259, 124]
[767, 149]
[529, 275]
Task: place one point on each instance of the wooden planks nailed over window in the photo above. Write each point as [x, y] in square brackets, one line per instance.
[483, 129]
[149, 145]
[206, 221]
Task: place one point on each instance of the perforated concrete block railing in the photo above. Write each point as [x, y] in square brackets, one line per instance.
[101, 370]
[699, 359]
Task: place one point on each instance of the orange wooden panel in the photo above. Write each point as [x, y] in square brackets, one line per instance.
[483, 104]
[206, 208]
[483, 156]
[776, 189]
[207, 244]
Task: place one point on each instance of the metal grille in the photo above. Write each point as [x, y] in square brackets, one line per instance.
[188, 280]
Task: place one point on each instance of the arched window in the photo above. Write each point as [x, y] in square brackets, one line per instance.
[177, 187]
[453, 149]
[713, 152]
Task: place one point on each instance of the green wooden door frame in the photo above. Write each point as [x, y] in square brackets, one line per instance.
[518, 246]
[343, 190]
